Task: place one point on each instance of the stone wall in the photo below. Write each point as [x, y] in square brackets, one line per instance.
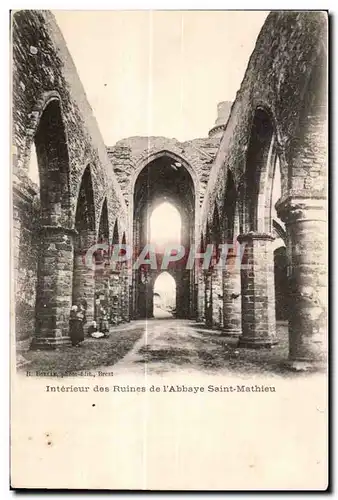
[290, 48]
[280, 113]
[25, 257]
[42, 69]
[129, 155]
[43, 72]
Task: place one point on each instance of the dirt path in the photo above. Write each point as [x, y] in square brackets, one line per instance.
[171, 345]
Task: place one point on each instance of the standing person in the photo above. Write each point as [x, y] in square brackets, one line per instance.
[76, 325]
[104, 324]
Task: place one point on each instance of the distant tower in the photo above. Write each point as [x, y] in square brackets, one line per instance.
[223, 112]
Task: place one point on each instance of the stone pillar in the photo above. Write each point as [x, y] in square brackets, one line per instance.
[140, 303]
[131, 303]
[201, 297]
[54, 288]
[102, 290]
[232, 307]
[125, 295]
[208, 298]
[193, 296]
[258, 292]
[149, 292]
[134, 296]
[217, 297]
[114, 301]
[183, 295]
[84, 275]
[306, 223]
[120, 299]
[145, 295]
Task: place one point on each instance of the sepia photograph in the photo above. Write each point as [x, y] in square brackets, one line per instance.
[169, 249]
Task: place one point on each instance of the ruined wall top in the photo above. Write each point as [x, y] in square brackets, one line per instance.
[129, 155]
[43, 69]
[290, 53]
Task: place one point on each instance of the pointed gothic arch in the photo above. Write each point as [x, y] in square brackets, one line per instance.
[53, 167]
[53, 163]
[83, 272]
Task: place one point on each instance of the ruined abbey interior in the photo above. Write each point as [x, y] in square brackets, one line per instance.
[258, 179]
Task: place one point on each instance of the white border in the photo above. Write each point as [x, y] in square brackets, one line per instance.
[5, 180]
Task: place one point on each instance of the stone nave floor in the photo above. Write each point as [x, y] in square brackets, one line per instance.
[161, 346]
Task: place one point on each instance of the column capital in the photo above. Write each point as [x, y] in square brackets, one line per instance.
[57, 229]
[253, 235]
[297, 209]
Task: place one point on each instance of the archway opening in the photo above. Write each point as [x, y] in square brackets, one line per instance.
[48, 169]
[208, 283]
[164, 296]
[276, 193]
[229, 208]
[115, 280]
[163, 215]
[280, 252]
[33, 166]
[102, 253]
[231, 289]
[165, 225]
[101, 307]
[53, 166]
[258, 173]
[83, 272]
[216, 272]
[257, 278]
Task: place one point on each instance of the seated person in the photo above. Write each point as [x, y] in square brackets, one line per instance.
[92, 331]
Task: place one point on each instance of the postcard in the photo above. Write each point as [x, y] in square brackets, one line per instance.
[169, 250]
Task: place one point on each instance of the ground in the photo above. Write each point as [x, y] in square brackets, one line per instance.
[162, 346]
[169, 346]
[90, 355]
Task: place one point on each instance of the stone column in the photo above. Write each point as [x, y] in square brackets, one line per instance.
[208, 298]
[183, 293]
[232, 307]
[192, 295]
[125, 295]
[217, 297]
[134, 298]
[201, 297]
[145, 295]
[131, 302]
[84, 275]
[306, 224]
[258, 292]
[102, 289]
[54, 288]
[114, 294]
[120, 299]
[149, 292]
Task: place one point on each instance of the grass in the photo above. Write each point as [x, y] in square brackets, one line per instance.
[93, 353]
[173, 355]
[224, 352]
[181, 346]
[206, 350]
